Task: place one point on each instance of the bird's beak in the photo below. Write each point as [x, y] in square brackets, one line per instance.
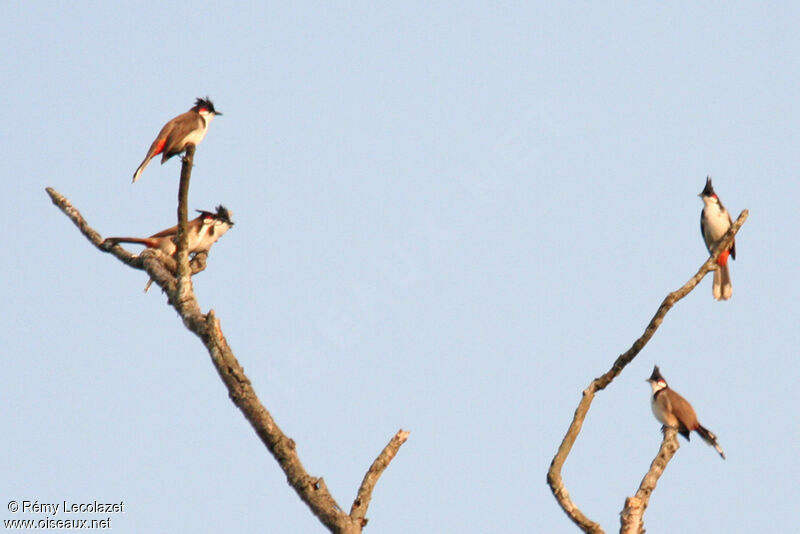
[217, 113]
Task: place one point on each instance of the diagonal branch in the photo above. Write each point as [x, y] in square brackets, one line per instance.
[554, 478]
[632, 516]
[360, 504]
[158, 265]
[311, 490]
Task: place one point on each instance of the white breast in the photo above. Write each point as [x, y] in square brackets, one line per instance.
[717, 221]
[198, 134]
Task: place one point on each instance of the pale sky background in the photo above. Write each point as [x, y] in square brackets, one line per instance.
[449, 219]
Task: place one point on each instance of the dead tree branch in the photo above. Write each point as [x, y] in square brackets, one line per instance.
[361, 502]
[632, 516]
[311, 490]
[554, 478]
[185, 294]
[159, 266]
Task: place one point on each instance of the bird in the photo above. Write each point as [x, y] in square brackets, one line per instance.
[674, 411]
[203, 231]
[186, 129]
[714, 223]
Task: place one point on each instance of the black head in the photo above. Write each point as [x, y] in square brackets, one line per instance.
[207, 104]
[656, 376]
[222, 215]
[708, 190]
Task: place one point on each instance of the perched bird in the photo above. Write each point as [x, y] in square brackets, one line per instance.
[203, 231]
[186, 129]
[714, 223]
[674, 411]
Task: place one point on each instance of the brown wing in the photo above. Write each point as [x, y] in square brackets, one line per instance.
[179, 128]
[171, 231]
[683, 411]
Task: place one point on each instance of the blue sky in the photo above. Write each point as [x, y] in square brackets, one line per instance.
[450, 218]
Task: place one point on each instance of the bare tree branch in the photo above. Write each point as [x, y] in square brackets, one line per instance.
[632, 516]
[361, 502]
[311, 490]
[554, 478]
[159, 266]
[184, 288]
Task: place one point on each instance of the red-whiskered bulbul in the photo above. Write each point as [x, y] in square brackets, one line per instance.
[203, 231]
[186, 129]
[714, 223]
[674, 411]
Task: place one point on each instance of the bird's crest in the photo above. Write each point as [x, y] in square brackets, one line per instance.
[222, 214]
[205, 103]
[708, 190]
[656, 376]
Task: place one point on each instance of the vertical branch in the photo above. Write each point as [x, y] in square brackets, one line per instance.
[632, 516]
[182, 254]
[554, 479]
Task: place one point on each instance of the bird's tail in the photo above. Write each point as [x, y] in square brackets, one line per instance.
[722, 289]
[710, 438]
[111, 241]
[141, 167]
[725, 282]
[155, 149]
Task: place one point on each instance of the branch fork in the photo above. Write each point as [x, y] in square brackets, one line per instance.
[669, 445]
[174, 277]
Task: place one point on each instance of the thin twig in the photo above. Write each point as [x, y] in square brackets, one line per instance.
[554, 478]
[361, 503]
